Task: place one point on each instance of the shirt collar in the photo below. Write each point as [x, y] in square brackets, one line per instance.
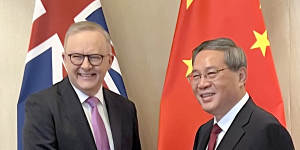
[82, 96]
[228, 118]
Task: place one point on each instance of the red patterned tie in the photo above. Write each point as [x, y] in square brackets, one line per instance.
[100, 134]
[213, 137]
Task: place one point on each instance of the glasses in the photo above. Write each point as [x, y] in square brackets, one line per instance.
[94, 59]
[210, 75]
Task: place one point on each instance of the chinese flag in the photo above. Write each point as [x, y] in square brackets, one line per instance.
[200, 20]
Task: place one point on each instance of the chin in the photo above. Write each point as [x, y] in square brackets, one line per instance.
[207, 108]
[89, 87]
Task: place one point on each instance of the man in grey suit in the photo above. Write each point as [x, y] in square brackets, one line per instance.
[62, 118]
[218, 82]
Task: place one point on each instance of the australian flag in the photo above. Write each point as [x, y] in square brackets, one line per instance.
[44, 63]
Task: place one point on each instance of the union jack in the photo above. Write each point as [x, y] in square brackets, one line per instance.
[44, 63]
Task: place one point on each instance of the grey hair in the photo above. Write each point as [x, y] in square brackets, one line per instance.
[235, 57]
[86, 26]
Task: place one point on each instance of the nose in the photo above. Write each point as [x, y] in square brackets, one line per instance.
[86, 64]
[203, 83]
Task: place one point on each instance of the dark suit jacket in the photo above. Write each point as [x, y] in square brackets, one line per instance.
[55, 119]
[252, 129]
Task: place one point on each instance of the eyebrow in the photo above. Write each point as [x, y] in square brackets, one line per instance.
[208, 68]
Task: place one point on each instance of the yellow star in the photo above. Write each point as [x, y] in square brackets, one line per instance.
[189, 65]
[261, 42]
[188, 3]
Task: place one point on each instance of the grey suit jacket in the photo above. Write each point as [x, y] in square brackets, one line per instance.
[55, 120]
[252, 129]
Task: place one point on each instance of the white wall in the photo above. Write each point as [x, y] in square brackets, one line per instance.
[142, 32]
[15, 16]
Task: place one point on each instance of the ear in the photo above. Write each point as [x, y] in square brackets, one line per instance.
[64, 56]
[110, 60]
[242, 75]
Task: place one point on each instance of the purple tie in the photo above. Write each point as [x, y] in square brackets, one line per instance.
[213, 137]
[100, 134]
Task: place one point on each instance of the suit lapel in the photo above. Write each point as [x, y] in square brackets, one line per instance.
[236, 131]
[204, 135]
[75, 115]
[114, 115]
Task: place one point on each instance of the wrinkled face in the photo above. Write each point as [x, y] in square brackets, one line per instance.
[220, 93]
[86, 77]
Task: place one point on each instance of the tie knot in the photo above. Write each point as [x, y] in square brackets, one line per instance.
[216, 129]
[92, 101]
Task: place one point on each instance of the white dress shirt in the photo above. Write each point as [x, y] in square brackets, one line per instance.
[102, 111]
[228, 118]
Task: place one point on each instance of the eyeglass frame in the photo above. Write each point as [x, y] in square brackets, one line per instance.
[89, 58]
[205, 75]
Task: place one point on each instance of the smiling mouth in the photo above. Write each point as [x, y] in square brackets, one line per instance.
[86, 75]
[207, 95]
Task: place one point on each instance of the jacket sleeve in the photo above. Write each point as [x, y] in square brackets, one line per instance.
[136, 138]
[279, 138]
[39, 129]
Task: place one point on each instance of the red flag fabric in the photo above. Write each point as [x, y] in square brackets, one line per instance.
[44, 63]
[200, 20]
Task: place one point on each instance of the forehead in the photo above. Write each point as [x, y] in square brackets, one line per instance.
[86, 41]
[208, 59]
[86, 35]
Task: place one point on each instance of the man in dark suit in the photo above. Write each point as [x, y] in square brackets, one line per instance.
[218, 82]
[63, 116]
